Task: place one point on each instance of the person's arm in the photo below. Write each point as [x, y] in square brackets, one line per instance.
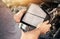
[34, 34]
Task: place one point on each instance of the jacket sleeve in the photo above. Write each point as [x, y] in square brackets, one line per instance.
[8, 27]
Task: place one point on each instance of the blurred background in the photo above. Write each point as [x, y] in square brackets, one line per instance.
[11, 3]
[16, 5]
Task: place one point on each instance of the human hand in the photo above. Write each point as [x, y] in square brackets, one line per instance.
[18, 16]
[44, 27]
[34, 34]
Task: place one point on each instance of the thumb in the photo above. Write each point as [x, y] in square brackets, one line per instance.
[21, 12]
[17, 17]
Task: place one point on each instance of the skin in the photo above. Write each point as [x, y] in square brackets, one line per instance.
[42, 28]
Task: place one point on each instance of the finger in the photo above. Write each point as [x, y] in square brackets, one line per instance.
[39, 25]
[21, 12]
[17, 17]
[49, 25]
[46, 22]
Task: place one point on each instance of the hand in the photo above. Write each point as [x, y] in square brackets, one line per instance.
[17, 17]
[34, 34]
[44, 27]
